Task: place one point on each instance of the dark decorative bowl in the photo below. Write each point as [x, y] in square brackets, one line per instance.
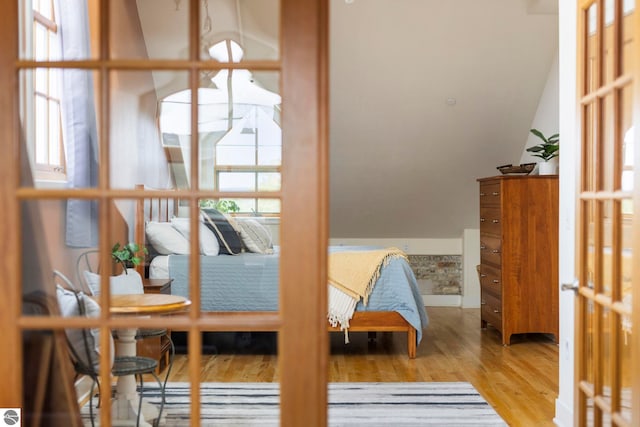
[524, 168]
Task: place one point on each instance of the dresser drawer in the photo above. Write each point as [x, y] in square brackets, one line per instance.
[491, 280]
[490, 250]
[491, 310]
[490, 220]
[489, 193]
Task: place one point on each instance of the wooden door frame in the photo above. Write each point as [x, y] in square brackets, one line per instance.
[580, 403]
[304, 73]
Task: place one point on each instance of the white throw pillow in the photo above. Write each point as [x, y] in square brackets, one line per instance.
[69, 308]
[208, 243]
[129, 283]
[255, 236]
[165, 239]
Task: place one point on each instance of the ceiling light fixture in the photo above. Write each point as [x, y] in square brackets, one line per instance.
[206, 26]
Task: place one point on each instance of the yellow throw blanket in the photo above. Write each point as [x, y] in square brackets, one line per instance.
[355, 273]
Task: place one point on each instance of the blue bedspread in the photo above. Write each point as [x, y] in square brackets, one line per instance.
[248, 282]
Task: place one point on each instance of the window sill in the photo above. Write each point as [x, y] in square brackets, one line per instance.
[50, 184]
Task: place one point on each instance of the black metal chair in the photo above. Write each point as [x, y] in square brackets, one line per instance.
[89, 261]
[83, 355]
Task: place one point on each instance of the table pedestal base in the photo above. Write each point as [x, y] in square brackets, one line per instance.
[124, 409]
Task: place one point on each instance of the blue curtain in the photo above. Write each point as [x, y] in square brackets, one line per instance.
[78, 123]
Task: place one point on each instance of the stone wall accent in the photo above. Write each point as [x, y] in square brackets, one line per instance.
[438, 274]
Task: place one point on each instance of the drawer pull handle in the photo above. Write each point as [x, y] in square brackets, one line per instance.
[495, 251]
[495, 193]
[495, 310]
[482, 194]
[483, 247]
[495, 221]
[482, 220]
[483, 275]
[496, 281]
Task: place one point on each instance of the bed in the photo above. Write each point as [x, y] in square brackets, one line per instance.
[248, 283]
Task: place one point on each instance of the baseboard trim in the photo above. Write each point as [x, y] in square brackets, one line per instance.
[442, 300]
[564, 414]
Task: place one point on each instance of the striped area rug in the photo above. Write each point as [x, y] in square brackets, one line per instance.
[350, 404]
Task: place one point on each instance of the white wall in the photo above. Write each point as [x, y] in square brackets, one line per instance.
[410, 246]
[417, 247]
[568, 167]
[547, 115]
[468, 246]
[470, 259]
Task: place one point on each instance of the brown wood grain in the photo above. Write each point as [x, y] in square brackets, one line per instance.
[519, 254]
[519, 381]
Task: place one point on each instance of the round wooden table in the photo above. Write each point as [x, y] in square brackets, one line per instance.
[125, 407]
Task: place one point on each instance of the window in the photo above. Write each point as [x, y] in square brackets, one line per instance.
[47, 149]
[239, 132]
[248, 159]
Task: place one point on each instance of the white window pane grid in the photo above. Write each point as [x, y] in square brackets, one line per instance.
[41, 126]
[269, 181]
[54, 133]
[237, 181]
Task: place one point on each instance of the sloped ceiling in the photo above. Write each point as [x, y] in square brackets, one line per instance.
[403, 160]
[425, 97]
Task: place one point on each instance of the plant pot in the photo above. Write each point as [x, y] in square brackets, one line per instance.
[549, 167]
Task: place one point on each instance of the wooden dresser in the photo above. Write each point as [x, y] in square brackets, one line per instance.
[159, 347]
[519, 254]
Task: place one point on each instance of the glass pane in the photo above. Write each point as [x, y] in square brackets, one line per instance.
[140, 154]
[239, 128]
[588, 183]
[589, 244]
[269, 181]
[591, 48]
[608, 37]
[54, 83]
[55, 155]
[41, 43]
[234, 31]
[625, 361]
[43, 31]
[628, 141]
[628, 9]
[47, 118]
[41, 124]
[606, 159]
[42, 81]
[154, 29]
[269, 205]
[606, 355]
[237, 181]
[607, 248]
[589, 343]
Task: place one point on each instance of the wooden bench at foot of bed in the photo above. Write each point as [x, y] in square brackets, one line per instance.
[362, 321]
[382, 321]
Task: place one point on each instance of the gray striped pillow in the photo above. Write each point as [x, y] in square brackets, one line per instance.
[255, 236]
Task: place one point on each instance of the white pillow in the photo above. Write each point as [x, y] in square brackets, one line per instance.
[130, 283]
[165, 239]
[208, 243]
[255, 236]
[69, 308]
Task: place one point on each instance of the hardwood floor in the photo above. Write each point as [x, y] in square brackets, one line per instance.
[520, 381]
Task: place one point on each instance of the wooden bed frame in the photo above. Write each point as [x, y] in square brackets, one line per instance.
[157, 209]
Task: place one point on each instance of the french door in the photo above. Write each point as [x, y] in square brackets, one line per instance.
[300, 64]
[607, 347]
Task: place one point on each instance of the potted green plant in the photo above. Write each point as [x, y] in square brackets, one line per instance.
[547, 150]
[226, 206]
[129, 255]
